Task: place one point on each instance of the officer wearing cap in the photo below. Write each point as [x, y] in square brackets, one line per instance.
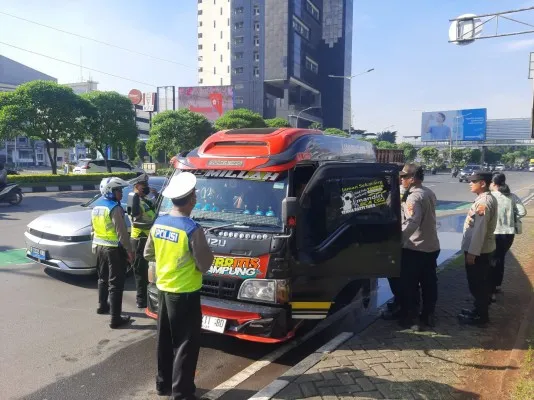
[179, 247]
[420, 248]
[478, 243]
[143, 214]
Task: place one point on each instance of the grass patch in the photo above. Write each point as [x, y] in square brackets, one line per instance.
[456, 262]
[524, 389]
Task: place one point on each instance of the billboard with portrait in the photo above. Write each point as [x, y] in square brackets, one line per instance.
[461, 125]
[210, 101]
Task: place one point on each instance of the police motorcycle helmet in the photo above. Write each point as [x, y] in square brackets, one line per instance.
[108, 185]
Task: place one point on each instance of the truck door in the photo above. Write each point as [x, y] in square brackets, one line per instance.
[350, 222]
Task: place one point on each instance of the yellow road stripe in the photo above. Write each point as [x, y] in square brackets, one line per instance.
[311, 304]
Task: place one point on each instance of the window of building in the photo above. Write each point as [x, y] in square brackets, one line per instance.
[256, 41]
[201, 81]
[214, 46]
[257, 26]
[228, 45]
[214, 70]
[221, 58]
[199, 1]
[239, 40]
[40, 157]
[238, 55]
[200, 69]
[301, 28]
[228, 69]
[239, 100]
[313, 10]
[238, 70]
[200, 35]
[200, 47]
[221, 81]
[256, 9]
[239, 10]
[199, 23]
[228, 21]
[256, 56]
[221, 34]
[239, 25]
[215, 24]
[256, 72]
[199, 12]
[312, 65]
[239, 86]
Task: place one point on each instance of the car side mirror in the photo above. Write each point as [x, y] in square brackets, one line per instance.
[290, 208]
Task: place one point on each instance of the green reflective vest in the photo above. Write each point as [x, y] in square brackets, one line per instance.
[147, 213]
[104, 233]
[176, 270]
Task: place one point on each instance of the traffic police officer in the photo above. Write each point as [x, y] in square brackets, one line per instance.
[478, 243]
[111, 244]
[182, 254]
[143, 215]
[420, 248]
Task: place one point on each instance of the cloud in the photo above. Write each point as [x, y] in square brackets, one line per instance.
[519, 45]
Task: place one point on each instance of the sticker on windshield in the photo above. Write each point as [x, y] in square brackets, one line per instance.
[239, 267]
[278, 185]
[246, 175]
[362, 197]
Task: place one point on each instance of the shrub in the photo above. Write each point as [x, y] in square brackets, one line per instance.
[71, 178]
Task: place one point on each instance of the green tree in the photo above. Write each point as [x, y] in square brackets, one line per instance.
[508, 159]
[335, 132]
[42, 110]
[109, 123]
[387, 136]
[140, 150]
[383, 144]
[277, 123]
[429, 155]
[476, 156]
[410, 152]
[458, 157]
[239, 118]
[175, 131]
[316, 125]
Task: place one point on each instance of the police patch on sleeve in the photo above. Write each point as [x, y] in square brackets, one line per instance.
[481, 209]
[409, 208]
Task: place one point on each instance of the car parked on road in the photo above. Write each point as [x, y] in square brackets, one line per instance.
[500, 167]
[89, 166]
[469, 169]
[62, 239]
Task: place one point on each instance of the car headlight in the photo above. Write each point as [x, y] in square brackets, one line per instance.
[265, 290]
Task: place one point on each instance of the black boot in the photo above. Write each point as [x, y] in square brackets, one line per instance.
[428, 319]
[103, 305]
[117, 320]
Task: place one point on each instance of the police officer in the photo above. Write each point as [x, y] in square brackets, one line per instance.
[182, 254]
[143, 215]
[420, 249]
[478, 243]
[111, 243]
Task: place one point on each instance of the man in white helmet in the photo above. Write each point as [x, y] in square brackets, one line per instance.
[111, 243]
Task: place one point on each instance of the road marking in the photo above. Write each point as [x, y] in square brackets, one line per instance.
[13, 257]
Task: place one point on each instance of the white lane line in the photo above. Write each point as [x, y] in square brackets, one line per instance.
[269, 391]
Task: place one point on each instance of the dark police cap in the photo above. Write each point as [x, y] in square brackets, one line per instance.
[480, 176]
[412, 170]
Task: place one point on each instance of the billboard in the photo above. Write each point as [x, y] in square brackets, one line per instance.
[467, 125]
[210, 101]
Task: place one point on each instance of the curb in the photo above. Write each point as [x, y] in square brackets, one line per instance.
[60, 188]
[273, 388]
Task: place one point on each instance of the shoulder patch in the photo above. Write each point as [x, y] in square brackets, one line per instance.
[481, 209]
[409, 208]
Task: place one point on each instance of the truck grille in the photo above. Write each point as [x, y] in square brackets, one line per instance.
[221, 288]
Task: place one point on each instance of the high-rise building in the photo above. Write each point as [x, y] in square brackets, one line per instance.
[278, 55]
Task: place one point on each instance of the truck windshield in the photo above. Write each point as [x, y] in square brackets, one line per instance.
[240, 197]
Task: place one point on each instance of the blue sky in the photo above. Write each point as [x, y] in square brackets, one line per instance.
[405, 41]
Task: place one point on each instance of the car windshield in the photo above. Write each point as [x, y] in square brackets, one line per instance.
[237, 197]
[82, 163]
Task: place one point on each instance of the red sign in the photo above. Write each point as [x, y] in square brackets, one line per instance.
[135, 96]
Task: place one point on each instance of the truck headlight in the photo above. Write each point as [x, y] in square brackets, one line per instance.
[265, 290]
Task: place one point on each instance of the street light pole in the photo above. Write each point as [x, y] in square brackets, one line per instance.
[349, 78]
[306, 109]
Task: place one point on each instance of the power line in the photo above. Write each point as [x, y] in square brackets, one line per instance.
[77, 65]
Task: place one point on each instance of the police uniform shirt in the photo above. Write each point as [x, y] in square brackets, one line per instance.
[117, 218]
[199, 248]
[419, 230]
[479, 225]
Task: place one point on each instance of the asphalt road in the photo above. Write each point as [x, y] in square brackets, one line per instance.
[54, 345]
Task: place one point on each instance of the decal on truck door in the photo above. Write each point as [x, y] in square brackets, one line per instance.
[363, 196]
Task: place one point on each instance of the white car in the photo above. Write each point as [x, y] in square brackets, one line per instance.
[531, 168]
[89, 166]
[500, 167]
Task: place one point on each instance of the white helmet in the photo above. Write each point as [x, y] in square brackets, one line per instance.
[109, 184]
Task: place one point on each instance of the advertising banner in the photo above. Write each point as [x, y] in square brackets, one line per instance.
[210, 101]
[461, 125]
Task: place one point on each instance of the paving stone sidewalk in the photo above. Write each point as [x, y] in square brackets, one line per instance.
[385, 362]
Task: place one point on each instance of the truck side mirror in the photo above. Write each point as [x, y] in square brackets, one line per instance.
[129, 203]
[289, 211]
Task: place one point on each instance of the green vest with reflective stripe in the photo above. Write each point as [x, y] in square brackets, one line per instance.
[147, 213]
[176, 270]
[104, 233]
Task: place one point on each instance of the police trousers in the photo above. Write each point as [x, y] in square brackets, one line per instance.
[479, 281]
[178, 342]
[112, 263]
[140, 269]
[418, 268]
[503, 244]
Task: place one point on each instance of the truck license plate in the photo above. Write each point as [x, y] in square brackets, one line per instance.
[38, 253]
[213, 324]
